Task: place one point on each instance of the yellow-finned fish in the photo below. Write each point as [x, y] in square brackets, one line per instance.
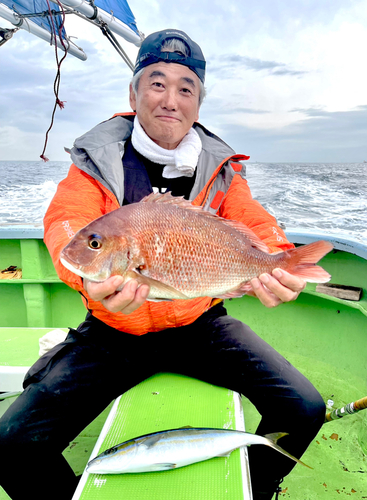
[176, 448]
[182, 251]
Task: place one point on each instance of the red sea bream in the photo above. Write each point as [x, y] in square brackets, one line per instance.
[182, 251]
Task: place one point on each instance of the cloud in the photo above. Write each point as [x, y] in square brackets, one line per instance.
[338, 136]
[285, 71]
[249, 111]
[311, 111]
[339, 121]
[234, 62]
[220, 106]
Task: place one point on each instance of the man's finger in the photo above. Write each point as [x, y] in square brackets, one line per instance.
[99, 291]
[266, 297]
[282, 292]
[128, 299]
[291, 281]
[139, 299]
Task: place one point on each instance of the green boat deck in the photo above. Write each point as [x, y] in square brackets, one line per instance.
[324, 337]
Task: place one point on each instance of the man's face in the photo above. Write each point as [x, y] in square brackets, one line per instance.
[167, 102]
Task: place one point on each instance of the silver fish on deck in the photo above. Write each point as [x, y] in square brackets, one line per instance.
[176, 448]
[182, 251]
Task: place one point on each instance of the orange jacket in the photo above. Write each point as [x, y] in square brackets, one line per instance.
[80, 198]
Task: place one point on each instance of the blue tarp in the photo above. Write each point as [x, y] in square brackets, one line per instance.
[121, 11]
[32, 6]
[119, 8]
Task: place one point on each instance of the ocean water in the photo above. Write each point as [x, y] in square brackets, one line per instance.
[329, 197]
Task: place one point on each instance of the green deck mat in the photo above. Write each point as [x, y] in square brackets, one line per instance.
[168, 401]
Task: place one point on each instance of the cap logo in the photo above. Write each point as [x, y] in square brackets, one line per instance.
[176, 33]
[143, 57]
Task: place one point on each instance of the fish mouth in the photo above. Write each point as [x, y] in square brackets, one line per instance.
[71, 268]
[81, 273]
[93, 464]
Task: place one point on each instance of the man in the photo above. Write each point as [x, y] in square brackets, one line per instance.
[126, 338]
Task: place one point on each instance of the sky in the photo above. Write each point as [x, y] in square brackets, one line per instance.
[286, 79]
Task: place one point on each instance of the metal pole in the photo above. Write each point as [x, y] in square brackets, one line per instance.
[114, 24]
[29, 25]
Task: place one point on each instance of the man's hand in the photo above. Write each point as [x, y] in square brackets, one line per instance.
[126, 301]
[277, 288]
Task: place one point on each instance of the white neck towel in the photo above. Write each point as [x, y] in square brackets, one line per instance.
[178, 162]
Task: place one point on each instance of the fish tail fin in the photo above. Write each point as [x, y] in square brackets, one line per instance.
[272, 442]
[302, 261]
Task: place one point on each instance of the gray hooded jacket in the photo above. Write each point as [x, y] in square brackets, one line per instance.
[99, 153]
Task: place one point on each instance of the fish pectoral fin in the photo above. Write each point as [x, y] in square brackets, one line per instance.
[158, 467]
[150, 441]
[164, 292]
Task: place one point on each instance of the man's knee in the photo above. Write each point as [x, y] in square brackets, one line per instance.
[316, 408]
[305, 412]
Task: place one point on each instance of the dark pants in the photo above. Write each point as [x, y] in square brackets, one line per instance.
[69, 386]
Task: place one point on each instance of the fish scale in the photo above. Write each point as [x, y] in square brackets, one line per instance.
[182, 251]
[186, 244]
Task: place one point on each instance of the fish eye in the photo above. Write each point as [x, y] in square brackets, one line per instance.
[110, 451]
[94, 242]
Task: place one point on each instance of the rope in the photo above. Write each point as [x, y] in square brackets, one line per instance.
[105, 30]
[10, 273]
[59, 103]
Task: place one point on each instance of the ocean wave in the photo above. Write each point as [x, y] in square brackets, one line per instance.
[318, 196]
[22, 203]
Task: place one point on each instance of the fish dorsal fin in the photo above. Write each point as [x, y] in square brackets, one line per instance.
[180, 201]
[168, 199]
[250, 235]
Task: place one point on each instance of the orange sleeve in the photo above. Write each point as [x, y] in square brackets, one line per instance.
[79, 199]
[239, 205]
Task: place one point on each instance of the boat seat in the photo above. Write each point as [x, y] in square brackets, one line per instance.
[167, 401]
